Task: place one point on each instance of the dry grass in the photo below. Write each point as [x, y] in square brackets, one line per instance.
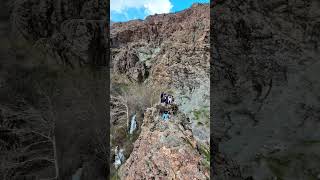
[140, 96]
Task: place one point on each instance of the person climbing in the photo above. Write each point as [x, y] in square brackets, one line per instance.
[164, 98]
[161, 97]
[165, 116]
[169, 99]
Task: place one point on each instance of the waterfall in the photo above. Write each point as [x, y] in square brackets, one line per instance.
[119, 157]
[133, 124]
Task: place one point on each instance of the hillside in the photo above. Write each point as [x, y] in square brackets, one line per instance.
[166, 52]
[166, 150]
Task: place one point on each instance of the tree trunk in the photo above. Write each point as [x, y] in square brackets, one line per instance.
[58, 14]
[55, 156]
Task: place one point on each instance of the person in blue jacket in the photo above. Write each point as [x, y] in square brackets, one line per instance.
[165, 116]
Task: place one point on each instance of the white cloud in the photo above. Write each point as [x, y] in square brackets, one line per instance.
[158, 6]
[151, 6]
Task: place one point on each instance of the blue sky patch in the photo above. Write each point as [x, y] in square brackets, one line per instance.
[125, 10]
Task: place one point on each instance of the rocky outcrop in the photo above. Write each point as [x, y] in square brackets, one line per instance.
[166, 52]
[165, 150]
[264, 79]
[169, 51]
[128, 63]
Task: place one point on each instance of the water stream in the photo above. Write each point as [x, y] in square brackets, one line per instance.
[119, 157]
[133, 124]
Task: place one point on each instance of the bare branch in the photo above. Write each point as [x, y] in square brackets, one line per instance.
[34, 144]
[19, 164]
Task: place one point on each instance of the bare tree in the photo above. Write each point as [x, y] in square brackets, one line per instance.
[51, 122]
[31, 145]
[120, 108]
[137, 97]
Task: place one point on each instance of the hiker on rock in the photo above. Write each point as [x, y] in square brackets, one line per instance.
[161, 97]
[166, 100]
[165, 116]
[170, 99]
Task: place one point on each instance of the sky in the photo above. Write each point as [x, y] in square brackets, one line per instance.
[125, 10]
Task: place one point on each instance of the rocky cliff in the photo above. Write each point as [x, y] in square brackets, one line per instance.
[165, 150]
[166, 52]
[265, 88]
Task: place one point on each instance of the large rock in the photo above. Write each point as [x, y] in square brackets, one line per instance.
[127, 62]
[164, 150]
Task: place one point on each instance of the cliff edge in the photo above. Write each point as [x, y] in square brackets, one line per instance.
[166, 149]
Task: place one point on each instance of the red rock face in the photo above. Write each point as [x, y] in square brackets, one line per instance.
[168, 51]
[164, 150]
[159, 28]
[182, 38]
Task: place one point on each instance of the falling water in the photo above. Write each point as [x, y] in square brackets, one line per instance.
[119, 157]
[133, 124]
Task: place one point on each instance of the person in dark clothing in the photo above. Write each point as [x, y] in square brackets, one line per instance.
[161, 111]
[166, 100]
[161, 97]
[165, 96]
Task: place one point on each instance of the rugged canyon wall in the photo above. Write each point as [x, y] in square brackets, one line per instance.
[170, 51]
[165, 52]
[53, 89]
[166, 150]
[265, 89]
